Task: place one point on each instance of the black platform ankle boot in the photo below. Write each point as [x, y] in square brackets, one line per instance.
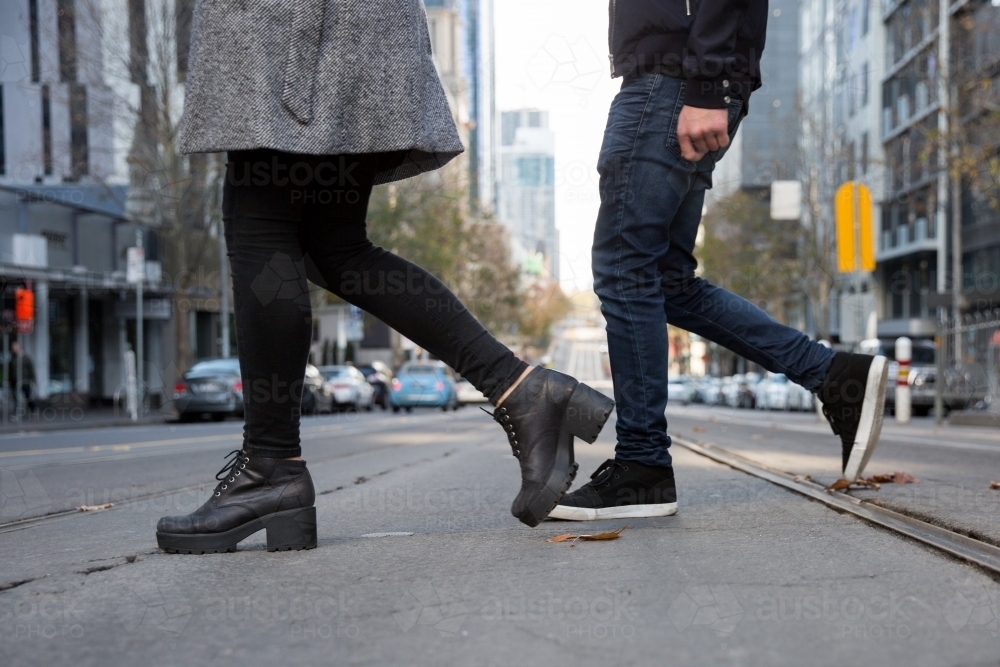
[254, 493]
[541, 416]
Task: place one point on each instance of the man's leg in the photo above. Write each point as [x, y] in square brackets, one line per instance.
[722, 317]
[643, 183]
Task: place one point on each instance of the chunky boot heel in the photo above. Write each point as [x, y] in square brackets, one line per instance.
[291, 530]
[587, 412]
[542, 416]
[249, 497]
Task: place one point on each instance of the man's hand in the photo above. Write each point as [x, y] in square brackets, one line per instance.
[702, 130]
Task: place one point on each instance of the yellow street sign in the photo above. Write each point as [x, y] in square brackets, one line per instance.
[852, 208]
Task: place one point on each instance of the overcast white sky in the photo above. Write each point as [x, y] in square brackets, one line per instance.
[552, 55]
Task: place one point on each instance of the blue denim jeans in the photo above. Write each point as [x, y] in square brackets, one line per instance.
[644, 267]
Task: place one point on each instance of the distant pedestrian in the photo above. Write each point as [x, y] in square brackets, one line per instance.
[316, 102]
[24, 383]
[688, 69]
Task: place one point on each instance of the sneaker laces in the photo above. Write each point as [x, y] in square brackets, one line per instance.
[502, 417]
[606, 472]
[830, 417]
[236, 461]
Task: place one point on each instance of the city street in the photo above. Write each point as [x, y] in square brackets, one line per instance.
[419, 560]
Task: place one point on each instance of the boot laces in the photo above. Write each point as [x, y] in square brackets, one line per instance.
[236, 461]
[502, 417]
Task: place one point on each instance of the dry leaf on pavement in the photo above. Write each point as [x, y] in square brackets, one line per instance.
[893, 478]
[995, 485]
[611, 535]
[840, 485]
[802, 478]
[698, 429]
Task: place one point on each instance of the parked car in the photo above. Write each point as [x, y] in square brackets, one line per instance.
[680, 389]
[468, 394]
[316, 397]
[799, 398]
[964, 386]
[772, 392]
[211, 387]
[709, 391]
[348, 388]
[423, 383]
[379, 376]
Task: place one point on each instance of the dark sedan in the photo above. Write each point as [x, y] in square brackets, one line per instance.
[211, 387]
[379, 376]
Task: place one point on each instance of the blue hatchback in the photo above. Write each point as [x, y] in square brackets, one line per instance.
[423, 383]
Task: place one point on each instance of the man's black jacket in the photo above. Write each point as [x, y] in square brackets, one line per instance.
[714, 44]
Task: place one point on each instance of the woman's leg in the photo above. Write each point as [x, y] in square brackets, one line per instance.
[408, 299]
[272, 309]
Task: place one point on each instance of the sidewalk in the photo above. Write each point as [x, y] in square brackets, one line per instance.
[65, 417]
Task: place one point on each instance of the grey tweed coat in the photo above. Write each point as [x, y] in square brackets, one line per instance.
[320, 77]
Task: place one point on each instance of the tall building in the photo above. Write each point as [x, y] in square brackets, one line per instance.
[765, 149]
[841, 63]
[939, 94]
[462, 43]
[63, 226]
[526, 190]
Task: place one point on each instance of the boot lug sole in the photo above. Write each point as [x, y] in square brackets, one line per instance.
[288, 530]
[586, 413]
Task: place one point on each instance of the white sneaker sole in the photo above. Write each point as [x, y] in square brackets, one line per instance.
[622, 512]
[870, 426]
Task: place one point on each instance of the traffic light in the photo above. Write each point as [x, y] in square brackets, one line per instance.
[24, 309]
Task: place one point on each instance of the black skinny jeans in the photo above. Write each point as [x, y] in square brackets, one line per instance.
[288, 217]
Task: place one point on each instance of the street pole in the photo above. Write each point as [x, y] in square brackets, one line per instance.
[223, 292]
[140, 387]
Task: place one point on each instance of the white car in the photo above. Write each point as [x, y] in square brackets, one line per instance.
[348, 387]
[680, 390]
[772, 392]
[468, 394]
[799, 398]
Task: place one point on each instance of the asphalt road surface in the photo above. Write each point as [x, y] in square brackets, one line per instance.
[420, 562]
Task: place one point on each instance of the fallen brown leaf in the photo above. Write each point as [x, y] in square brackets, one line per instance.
[892, 478]
[698, 429]
[610, 535]
[840, 485]
[995, 485]
[802, 478]
[93, 508]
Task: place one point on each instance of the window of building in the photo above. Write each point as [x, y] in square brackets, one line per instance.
[863, 85]
[78, 131]
[865, 10]
[67, 41]
[183, 13]
[46, 130]
[3, 153]
[863, 162]
[138, 51]
[33, 30]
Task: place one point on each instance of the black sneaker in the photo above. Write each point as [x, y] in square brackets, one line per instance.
[853, 398]
[619, 490]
